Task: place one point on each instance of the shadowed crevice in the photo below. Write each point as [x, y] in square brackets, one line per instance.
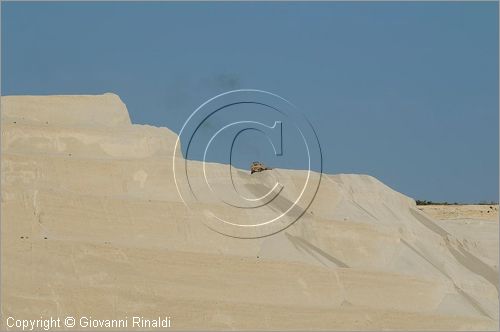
[464, 257]
[313, 250]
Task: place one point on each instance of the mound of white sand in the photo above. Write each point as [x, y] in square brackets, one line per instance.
[92, 225]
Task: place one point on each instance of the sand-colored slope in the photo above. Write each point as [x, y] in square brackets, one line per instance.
[92, 225]
[467, 211]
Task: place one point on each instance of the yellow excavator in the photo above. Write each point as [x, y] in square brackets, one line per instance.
[257, 166]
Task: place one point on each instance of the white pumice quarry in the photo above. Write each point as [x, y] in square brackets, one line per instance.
[92, 225]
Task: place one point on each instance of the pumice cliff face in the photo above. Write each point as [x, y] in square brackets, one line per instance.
[93, 226]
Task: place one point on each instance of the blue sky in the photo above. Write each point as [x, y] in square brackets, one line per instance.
[406, 92]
